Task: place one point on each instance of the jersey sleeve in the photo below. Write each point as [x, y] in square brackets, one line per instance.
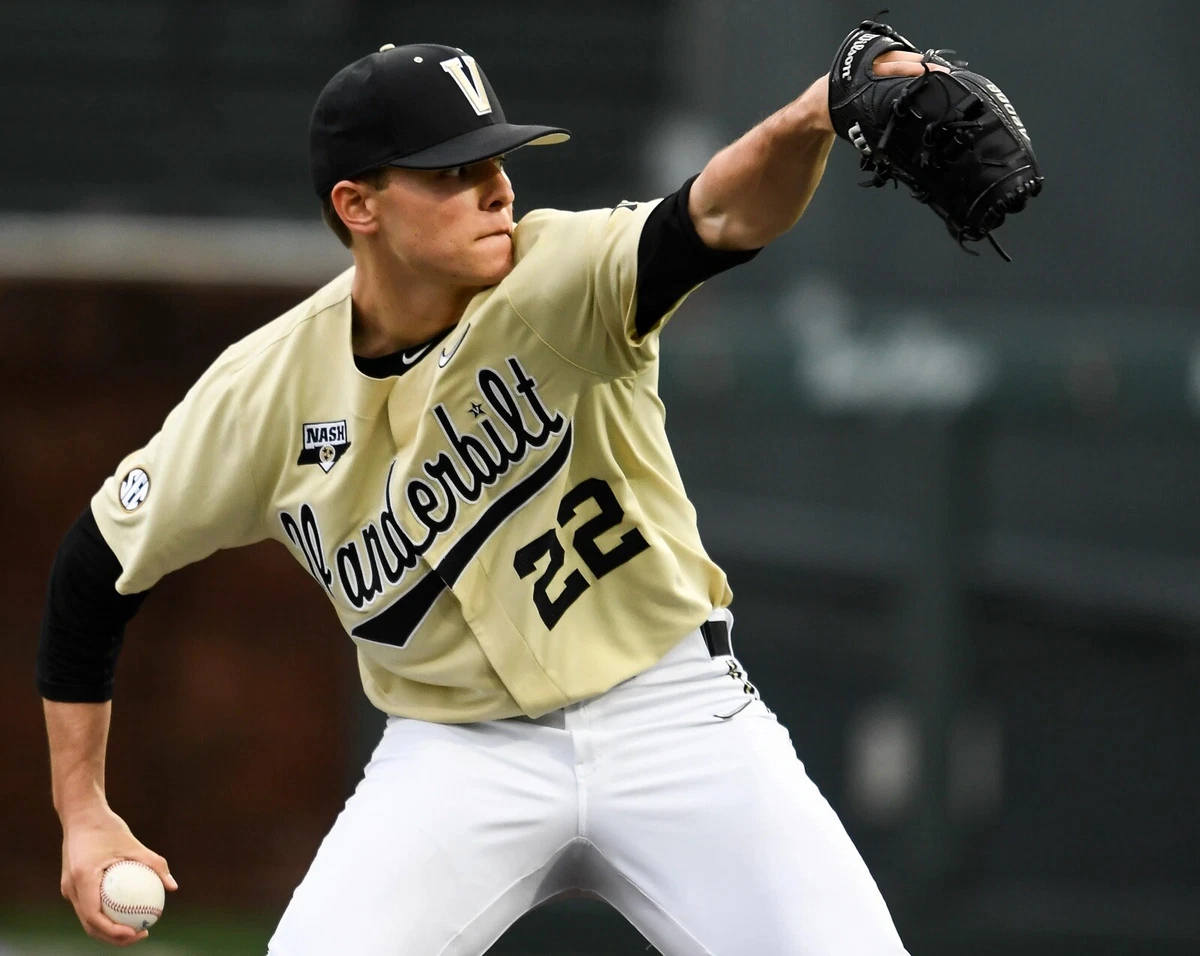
[606, 281]
[189, 492]
[614, 266]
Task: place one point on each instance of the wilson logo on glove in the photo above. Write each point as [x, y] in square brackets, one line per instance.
[848, 63]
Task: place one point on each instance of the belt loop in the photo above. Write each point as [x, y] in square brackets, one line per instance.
[716, 638]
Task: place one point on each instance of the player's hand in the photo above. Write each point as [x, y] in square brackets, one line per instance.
[892, 63]
[93, 840]
[902, 63]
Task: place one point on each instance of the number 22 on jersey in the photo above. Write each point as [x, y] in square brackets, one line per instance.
[598, 562]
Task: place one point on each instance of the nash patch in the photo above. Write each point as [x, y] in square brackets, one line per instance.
[324, 444]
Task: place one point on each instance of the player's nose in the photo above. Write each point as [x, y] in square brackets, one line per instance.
[499, 192]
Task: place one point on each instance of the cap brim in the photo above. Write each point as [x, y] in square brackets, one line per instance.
[481, 144]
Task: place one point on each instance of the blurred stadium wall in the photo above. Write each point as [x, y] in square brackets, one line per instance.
[957, 499]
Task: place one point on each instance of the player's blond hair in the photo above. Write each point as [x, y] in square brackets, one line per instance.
[375, 178]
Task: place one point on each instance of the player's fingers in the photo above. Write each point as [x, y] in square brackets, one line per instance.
[98, 926]
[902, 63]
[85, 897]
[159, 865]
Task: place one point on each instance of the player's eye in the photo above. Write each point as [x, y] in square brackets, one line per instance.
[486, 167]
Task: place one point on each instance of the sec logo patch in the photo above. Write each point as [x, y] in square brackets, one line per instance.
[135, 486]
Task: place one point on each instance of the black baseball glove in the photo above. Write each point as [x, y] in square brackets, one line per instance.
[952, 137]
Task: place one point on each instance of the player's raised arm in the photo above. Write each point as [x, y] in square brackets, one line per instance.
[757, 188]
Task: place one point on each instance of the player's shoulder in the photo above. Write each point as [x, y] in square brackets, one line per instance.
[541, 227]
[558, 232]
[311, 327]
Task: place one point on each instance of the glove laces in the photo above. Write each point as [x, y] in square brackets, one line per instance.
[943, 141]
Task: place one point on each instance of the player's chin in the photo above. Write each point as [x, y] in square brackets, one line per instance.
[493, 259]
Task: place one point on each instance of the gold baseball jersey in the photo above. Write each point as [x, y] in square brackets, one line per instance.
[501, 530]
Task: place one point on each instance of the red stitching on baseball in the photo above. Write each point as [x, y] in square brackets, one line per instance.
[132, 910]
[129, 909]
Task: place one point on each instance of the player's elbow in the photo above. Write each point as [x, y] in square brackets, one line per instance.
[721, 229]
[734, 226]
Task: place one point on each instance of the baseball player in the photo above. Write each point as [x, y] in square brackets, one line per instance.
[461, 440]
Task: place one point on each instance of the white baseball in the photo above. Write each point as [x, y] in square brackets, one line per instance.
[132, 894]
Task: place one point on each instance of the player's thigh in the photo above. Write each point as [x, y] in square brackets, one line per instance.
[726, 847]
[444, 843]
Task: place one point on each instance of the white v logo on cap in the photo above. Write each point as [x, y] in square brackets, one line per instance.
[473, 88]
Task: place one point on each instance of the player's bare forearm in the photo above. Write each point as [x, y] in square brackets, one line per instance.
[93, 836]
[756, 189]
[78, 735]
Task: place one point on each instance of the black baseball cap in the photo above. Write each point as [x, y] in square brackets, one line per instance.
[421, 106]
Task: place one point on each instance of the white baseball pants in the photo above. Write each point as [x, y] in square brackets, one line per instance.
[676, 796]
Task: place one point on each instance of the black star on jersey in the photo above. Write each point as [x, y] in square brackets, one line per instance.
[476, 410]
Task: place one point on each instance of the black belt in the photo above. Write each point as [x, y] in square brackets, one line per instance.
[716, 636]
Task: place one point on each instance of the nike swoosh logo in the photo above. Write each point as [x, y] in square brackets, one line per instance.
[416, 356]
[444, 358]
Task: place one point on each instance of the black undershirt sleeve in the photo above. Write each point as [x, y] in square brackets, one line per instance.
[84, 619]
[673, 259]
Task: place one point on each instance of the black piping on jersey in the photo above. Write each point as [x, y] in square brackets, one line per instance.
[673, 259]
[396, 623]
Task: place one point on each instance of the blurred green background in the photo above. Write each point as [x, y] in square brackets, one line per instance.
[957, 500]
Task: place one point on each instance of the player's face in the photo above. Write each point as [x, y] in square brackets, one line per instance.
[450, 225]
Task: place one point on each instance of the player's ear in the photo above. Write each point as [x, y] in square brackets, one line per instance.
[351, 202]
